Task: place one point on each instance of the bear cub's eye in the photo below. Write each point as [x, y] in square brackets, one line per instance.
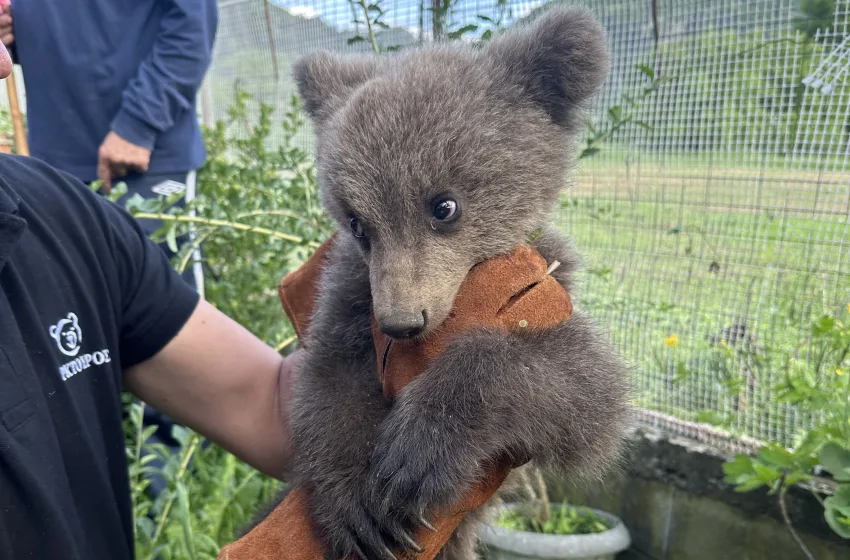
[445, 210]
[356, 228]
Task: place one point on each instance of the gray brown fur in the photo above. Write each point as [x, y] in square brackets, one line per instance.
[496, 128]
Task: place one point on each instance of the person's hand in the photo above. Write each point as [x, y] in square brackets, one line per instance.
[5, 59]
[7, 35]
[117, 157]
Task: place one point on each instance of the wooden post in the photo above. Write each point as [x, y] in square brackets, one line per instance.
[17, 119]
[14, 107]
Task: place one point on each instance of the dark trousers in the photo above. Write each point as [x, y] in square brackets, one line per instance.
[154, 186]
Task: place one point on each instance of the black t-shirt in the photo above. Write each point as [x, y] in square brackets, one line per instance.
[83, 295]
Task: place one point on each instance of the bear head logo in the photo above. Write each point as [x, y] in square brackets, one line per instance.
[67, 335]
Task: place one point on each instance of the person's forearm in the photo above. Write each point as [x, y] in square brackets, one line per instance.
[218, 379]
[262, 438]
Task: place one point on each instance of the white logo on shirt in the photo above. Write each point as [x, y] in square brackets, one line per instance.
[68, 337]
[167, 188]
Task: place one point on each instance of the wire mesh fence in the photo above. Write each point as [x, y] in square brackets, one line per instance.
[714, 223]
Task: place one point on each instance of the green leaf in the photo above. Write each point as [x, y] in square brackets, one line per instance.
[647, 71]
[840, 499]
[774, 487]
[181, 434]
[738, 467]
[615, 113]
[837, 511]
[487, 35]
[184, 515]
[839, 523]
[485, 18]
[117, 191]
[356, 39]
[207, 542]
[833, 431]
[823, 325]
[749, 485]
[375, 8]
[765, 473]
[808, 445]
[836, 460]
[460, 32]
[795, 477]
[171, 238]
[146, 526]
[381, 24]
[643, 124]
[776, 455]
[148, 432]
[588, 152]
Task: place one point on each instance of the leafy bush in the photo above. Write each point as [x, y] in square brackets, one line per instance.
[246, 188]
[256, 217]
[211, 495]
[817, 382]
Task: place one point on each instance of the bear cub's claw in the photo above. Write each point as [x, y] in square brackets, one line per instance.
[354, 527]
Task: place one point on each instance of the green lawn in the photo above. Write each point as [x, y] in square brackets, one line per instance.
[684, 247]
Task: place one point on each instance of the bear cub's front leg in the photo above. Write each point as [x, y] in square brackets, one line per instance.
[337, 407]
[557, 396]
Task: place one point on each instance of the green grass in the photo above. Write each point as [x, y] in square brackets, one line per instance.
[733, 159]
[676, 249]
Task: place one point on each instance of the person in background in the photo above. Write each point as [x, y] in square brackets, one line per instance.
[111, 88]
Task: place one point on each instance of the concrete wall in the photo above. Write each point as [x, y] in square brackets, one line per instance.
[677, 507]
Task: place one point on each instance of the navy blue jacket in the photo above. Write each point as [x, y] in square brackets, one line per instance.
[131, 66]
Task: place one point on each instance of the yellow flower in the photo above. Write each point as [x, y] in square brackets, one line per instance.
[671, 340]
[848, 308]
[839, 371]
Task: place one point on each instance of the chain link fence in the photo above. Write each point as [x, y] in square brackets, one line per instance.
[714, 222]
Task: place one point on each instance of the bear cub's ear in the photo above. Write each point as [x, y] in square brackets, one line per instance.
[560, 60]
[325, 80]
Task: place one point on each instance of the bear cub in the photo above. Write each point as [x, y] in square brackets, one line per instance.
[431, 161]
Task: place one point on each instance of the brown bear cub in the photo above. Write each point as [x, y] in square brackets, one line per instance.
[431, 161]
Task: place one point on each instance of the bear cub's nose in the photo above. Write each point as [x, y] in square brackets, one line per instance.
[404, 325]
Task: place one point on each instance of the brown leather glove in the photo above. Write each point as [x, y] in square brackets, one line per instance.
[511, 292]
